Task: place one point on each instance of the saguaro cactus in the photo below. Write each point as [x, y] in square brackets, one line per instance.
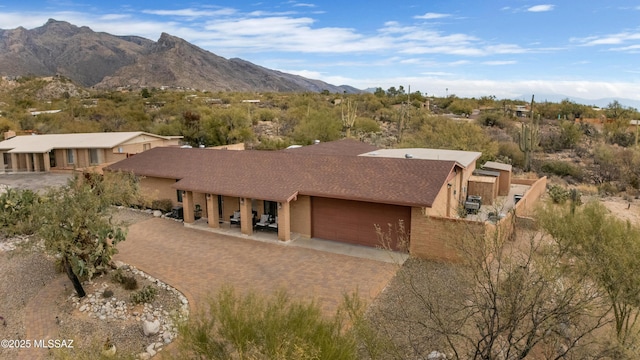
[528, 139]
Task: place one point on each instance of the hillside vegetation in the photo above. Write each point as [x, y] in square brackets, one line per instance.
[575, 143]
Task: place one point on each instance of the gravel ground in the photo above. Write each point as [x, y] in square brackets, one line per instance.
[25, 269]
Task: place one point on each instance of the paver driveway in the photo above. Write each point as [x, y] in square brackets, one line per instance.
[198, 262]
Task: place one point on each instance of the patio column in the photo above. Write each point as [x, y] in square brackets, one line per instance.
[284, 221]
[187, 207]
[14, 162]
[212, 211]
[29, 159]
[36, 162]
[47, 161]
[246, 216]
[2, 164]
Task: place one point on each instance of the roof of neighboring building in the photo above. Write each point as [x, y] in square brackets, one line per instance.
[46, 142]
[283, 175]
[464, 158]
[345, 146]
[496, 166]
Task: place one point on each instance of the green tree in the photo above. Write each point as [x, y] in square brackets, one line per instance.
[76, 223]
[443, 133]
[605, 250]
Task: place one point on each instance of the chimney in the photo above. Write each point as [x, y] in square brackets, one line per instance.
[9, 134]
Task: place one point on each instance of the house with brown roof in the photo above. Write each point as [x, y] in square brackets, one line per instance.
[342, 191]
[37, 153]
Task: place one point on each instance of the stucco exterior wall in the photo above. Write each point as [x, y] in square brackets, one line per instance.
[111, 156]
[301, 215]
[434, 238]
[153, 188]
[526, 205]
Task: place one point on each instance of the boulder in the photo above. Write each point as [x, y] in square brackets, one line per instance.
[157, 213]
[150, 327]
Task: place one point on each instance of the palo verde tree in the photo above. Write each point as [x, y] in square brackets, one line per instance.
[77, 226]
[606, 250]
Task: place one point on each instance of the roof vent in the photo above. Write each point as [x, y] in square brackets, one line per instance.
[408, 156]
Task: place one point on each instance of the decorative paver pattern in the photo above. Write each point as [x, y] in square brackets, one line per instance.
[197, 263]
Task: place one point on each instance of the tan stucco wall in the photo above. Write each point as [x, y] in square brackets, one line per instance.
[435, 238]
[153, 188]
[301, 216]
[111, 157]
[136, 145]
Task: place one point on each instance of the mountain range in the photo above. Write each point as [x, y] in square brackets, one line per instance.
[102, 60]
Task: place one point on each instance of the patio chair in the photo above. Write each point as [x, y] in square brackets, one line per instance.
[274, 224]
[235, 218]
[263, 222]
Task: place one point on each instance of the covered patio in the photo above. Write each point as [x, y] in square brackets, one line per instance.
[219, 212]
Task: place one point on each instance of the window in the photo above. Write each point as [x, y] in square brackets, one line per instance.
[146, 146]
[70, 159]
[94, 156]
[52, 158]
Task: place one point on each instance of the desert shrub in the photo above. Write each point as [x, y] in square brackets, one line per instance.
[275, 327]
[145, 295]
[624, 139]
[127, 282]
[117, 276]
[267, 143]
[561, 168]
[163, 205]
[107, 293]
[510, 151]
[17, 212]
[558, 194]
[607, 188]
[366, 125]
[493, 119]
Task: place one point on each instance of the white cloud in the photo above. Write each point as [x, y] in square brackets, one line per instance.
[612, 39]
[431, 16]
[541, 8]
[500, 62]
[304, 5]
[191, 13]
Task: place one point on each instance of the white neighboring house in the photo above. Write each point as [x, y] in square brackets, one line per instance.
[81, 151]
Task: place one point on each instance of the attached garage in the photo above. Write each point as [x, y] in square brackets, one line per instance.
[354, 221]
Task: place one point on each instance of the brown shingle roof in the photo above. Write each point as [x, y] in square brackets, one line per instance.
[345, 146]
[282, 175]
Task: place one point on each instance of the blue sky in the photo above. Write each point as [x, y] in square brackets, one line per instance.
[509, 49]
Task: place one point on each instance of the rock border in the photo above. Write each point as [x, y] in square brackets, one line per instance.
[156, 322]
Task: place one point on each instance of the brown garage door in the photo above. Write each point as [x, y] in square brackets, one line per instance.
[354, 221]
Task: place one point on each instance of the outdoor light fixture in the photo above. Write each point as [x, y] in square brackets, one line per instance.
[241, 201]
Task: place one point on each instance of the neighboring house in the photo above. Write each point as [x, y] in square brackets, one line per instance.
[36, 153]
[323, 191]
